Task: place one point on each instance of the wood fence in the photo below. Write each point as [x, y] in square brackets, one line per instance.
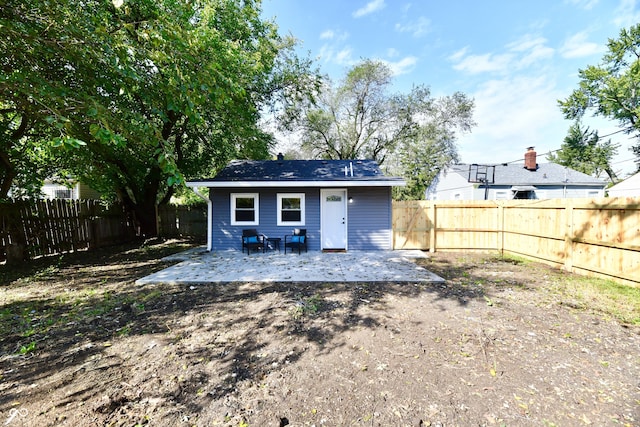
[45, 227]
[595, 237]
[182, 221]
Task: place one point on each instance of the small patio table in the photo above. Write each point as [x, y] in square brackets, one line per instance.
[273, 242]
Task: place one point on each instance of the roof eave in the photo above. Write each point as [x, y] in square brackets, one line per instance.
[297, 184]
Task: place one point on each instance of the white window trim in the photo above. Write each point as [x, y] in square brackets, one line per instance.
[256, 208]
[302, 208]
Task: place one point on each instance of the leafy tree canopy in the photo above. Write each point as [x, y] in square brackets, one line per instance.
[612, 89]
[136, 95]
[410, 134]
[583, 151]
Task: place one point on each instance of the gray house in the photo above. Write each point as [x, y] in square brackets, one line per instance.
[513, 181]
[343, 204]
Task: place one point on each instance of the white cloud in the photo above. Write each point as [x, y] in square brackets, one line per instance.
[525, 52]
[417, 28]
[371, 7]
[532, 50]
[327, 35]
[583, 4]
[512, 114]
[335, 49]
[577, 46]
[392, 53]
[627, 14]
[475, 64]
[403, 66]
[344, 56]
[336, 36]
[459, 54]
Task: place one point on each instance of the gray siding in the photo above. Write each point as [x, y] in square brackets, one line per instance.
[369, 217]
[226, 236]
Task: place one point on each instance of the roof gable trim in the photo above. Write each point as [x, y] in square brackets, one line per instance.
[298, 184]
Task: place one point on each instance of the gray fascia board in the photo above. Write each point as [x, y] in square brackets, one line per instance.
[296, 184]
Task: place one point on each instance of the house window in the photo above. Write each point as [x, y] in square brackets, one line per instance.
[291, 209]
[63, 193]
[244, 209]
[523, 194]
[593, 193]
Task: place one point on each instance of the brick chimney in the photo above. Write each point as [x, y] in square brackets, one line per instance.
[530, 160]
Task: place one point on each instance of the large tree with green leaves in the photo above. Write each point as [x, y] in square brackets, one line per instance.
[139, 94]
[582, 150]
[612, 89]
[411, 134]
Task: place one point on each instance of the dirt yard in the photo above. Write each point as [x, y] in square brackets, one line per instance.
[502, 343]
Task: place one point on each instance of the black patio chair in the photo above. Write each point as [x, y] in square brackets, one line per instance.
[251, 239]
[298, 239]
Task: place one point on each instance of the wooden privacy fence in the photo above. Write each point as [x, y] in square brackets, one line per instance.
[596, 237]
[45, 227]
[178, 221]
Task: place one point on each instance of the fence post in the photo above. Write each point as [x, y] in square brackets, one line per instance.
[501, 228]
[432, 231]
[568, 238]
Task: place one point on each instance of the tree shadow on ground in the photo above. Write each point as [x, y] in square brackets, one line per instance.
[73, 333]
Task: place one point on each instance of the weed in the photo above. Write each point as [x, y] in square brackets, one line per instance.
[46, 273]
[306, 306]
[27, 348]
[124, 331]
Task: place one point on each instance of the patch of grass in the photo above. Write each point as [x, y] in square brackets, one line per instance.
[511, 259]
[605, 296]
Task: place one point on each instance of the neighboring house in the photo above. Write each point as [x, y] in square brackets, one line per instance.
[73, 190]
[343, 204]
[630, 187]
[513, 181]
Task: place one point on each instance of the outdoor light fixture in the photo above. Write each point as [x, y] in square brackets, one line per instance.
[350, 199]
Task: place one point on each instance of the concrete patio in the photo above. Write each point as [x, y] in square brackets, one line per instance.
[199, 266]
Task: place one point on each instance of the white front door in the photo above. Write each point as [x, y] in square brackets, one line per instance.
[333, 220]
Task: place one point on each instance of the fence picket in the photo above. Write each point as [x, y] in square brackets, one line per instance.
[596, 237]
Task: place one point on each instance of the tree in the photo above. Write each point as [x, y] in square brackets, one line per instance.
[612, 89]
[142, 94]
[22, 164]
[583, 151]
[411, 134]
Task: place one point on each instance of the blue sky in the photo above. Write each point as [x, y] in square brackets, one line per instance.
[516, 58]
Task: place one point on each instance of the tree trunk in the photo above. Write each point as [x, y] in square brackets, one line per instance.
[146, 214]
[145, 206]
[7, 174]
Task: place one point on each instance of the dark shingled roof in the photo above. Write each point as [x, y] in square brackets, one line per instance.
[301, 170]
[546, 174]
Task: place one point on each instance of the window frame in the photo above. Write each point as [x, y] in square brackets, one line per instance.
[256, 208]
[300, 196]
